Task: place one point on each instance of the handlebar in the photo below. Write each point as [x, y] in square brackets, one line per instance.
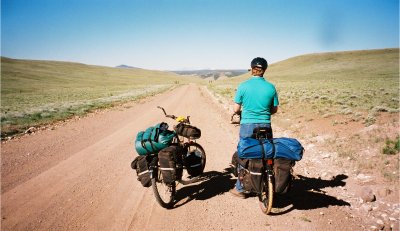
[166, 115]
[179, 119]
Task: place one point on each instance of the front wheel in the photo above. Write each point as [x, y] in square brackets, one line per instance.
[195, 151]
[266, 197]
[164, 193]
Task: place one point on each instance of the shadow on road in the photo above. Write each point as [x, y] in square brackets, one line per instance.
[210, 184]
[306, 193]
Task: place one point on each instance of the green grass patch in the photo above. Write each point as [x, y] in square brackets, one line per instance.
[391, 147]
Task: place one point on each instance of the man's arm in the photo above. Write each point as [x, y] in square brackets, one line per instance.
[237, 108]
[274, 110]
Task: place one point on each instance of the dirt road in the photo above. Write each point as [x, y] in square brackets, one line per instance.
[77, 176]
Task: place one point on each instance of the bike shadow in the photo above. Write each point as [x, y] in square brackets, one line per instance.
[210, 184]
[306, 193]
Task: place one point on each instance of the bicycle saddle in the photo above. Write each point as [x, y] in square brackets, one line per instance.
[262, 133]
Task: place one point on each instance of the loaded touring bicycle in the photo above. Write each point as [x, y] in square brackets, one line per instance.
[264, 165]
[164, 154]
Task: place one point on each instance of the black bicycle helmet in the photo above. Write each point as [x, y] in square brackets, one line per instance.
[259, 62]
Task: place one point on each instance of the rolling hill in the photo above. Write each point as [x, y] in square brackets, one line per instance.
[213, 74]
[330, 83]
[336, 64]
[34, 92]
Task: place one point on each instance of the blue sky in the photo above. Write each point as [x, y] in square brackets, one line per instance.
[192, 34]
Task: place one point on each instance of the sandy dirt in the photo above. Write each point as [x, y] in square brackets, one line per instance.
[77, 176]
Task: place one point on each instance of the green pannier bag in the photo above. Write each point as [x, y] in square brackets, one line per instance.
[153, 139]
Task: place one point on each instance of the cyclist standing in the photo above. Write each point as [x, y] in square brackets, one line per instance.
[256, 100]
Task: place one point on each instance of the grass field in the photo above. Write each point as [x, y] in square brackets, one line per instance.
[34, 93]
[333, 83]
[357, 84]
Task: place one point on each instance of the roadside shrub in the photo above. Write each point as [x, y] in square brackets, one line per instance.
[380, 109]
[392, 147]
[370, 120]
[346, 111]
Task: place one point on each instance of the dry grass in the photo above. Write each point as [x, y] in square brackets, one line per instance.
[333, 83]
[34, 93]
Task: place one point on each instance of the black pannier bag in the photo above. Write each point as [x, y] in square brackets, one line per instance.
[170, 160]
[141, 165]
[251, 175]
[283, 174]
[193, 164]
[187, 131]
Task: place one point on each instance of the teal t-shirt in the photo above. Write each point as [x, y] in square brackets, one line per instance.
[256, 96]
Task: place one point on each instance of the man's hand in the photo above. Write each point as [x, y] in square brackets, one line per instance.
[237, 108]
[235, 119]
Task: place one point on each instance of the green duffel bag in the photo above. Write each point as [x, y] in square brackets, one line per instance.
[153, 139]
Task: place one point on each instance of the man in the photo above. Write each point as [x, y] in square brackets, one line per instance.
[256, 100]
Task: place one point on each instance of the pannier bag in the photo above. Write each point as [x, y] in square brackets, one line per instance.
[153, 139]
[234, 163]
[193, 163]
[140, 164]
[170, 160]
[251, 148]
[283, 174]
[251, 175]
[288, 148]
[187, 131]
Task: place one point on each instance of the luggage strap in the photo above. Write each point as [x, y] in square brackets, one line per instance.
[195, 165]
[262, 149]
[151, 143]
[255, 173]
[170, 169]
[143, 172]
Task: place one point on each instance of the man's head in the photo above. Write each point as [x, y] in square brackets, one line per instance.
[258, 66]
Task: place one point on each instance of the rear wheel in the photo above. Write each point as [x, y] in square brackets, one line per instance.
[164, 193]
[266, 197]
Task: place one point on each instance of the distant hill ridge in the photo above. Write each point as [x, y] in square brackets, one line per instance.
[126, 66]
[215, 74]
[321, 65]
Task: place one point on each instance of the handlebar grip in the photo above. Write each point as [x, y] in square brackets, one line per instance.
[162, 110]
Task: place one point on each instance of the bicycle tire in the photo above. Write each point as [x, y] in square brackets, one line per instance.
[164, 194]
[200, 150]
[266, 197]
